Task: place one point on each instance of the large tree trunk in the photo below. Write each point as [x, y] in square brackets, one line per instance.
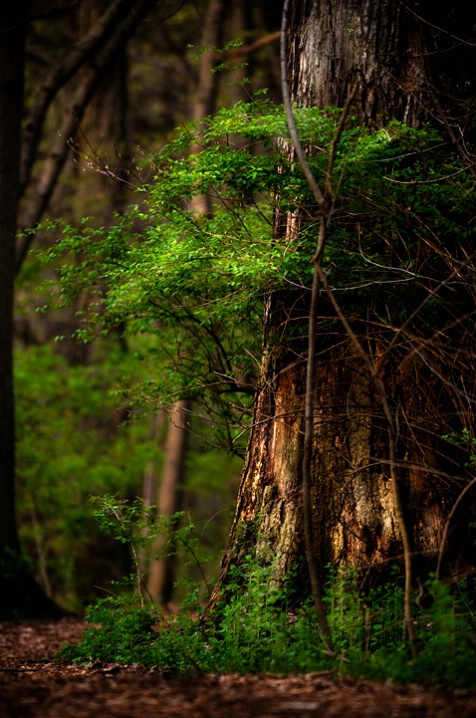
[387, 49]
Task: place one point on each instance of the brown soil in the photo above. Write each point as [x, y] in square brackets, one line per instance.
[32, 686]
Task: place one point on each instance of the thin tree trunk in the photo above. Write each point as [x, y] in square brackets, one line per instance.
[12, 48]
[207, 87]
[160, 580]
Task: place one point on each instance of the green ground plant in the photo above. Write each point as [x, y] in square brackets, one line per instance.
[261, 628]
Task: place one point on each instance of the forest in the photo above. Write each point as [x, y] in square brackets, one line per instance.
[237, 331]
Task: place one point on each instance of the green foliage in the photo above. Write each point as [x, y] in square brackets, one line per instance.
[195, 282]
[124, 633]
[192, 283]
[466, 441]
[71, 443]
[363, 624]
[254, 634]
[260, 629]
[446, 637]
[133, 524]
[78, 436]
[128, 522]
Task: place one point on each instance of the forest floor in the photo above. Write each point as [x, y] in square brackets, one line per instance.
[32, 685]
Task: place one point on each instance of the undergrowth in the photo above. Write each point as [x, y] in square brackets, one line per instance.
[261, 630]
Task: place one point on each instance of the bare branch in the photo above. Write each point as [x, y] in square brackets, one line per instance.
[253, 46]
[417, 311]
[432, 181]
[81, 53]
[57, 157]
[437, 27]
[324, 205]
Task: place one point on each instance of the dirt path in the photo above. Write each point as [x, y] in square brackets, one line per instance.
[31, 686]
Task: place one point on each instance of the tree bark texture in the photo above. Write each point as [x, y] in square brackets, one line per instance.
[403, 65]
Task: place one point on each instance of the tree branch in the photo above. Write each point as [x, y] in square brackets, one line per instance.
[124, 30]
[83, 52]
[253, 46]
[323, 203]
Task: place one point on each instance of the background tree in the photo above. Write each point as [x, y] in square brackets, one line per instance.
[74, 162]
[169, 492]
[16, 584]
[114, 28]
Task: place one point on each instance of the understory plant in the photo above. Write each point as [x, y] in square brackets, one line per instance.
[261, 627]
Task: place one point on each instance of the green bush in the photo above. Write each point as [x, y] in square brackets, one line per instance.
[259, 629]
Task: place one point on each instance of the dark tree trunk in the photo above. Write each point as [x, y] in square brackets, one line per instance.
[13, 24]
[101, 48]
[404, 71]
[377, 41]
[20, 596]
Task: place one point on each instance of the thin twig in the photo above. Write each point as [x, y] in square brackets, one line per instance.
[447, 525]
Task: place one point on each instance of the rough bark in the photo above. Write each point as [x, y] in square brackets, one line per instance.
[396, 58]
[268, 521]
[376, 41]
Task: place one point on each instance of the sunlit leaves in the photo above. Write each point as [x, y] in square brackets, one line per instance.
[196, 279]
